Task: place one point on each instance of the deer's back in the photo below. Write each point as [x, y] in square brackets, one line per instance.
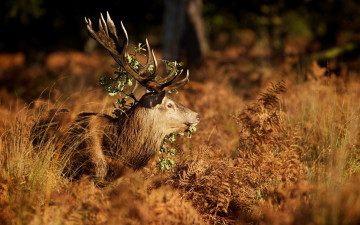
[83, 137]
[52, 124]
[59, 123]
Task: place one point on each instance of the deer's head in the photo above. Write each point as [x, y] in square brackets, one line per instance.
[160, 108]
[167, 113]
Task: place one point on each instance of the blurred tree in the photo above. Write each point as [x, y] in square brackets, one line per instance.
[34, 26]
[184, 31]
[37, 27]
[25, 10]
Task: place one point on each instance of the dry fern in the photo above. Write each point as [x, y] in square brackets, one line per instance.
[261, 121]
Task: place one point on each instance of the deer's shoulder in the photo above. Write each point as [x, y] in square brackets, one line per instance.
[95, 119]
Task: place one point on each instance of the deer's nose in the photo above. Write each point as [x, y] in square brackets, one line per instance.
[198, 117]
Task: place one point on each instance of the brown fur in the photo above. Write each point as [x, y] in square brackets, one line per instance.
[105, 146]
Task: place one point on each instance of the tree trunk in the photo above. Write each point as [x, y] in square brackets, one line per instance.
[184, 36]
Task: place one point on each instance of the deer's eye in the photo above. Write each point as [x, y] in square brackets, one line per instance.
[170, 105]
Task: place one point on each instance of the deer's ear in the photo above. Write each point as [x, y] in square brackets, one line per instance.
[156, 99]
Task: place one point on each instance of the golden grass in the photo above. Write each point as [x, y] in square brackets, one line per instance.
[27, 178]
[285, 158]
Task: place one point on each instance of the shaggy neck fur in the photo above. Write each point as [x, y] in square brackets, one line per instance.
[137, 137]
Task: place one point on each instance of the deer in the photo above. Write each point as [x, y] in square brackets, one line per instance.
[106, 145]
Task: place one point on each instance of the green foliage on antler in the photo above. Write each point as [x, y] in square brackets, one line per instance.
[122, 85]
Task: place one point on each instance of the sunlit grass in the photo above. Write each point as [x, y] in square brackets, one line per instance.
[27, 177]
[304, 170]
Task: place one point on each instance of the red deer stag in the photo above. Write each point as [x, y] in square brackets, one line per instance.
[106, 145]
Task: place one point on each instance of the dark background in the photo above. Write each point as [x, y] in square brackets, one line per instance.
[43, 41]
[39, 25]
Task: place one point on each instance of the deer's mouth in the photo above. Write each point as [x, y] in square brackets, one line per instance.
[197, 118]
[192, 124]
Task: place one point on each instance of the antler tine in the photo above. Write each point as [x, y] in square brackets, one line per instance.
[148, 62]
[137, 76]
[100, 26]
[89, 23]
[111, 25]
[126, 41]
[169, 82]
[178, 84]
[155, 61]
[171, 75]
[127, 67]
[104, 24]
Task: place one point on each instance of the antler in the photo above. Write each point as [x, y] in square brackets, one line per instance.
[107, 37]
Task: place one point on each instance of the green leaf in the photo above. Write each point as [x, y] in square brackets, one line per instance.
[172, 151]
[151, 68]
[171, 138]
[171, 162]
[190, 130]
[173, 91]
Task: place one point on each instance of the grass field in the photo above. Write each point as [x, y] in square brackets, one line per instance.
[276, 145]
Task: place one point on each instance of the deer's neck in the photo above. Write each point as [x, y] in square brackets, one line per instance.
[139, 138]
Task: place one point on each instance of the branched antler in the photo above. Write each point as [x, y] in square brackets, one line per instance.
[108, 38]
